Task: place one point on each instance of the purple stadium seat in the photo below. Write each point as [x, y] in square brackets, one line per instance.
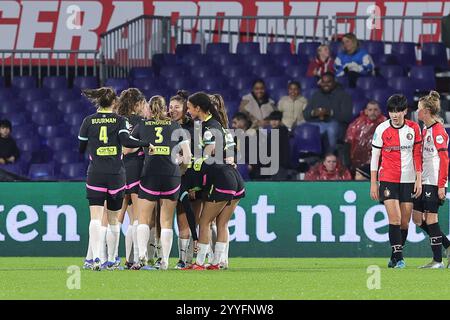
[55, 82]
[355, 93]
[276, 82]
[166, 59]
[358, 106]
[41, 106]
[248, 48]
[58, 143]
[285, 60]
[30, 144]
[336, 47]
[18, 119]
[8, 106]
[147, 83]
[307, 139]
[85, 82]
[211, 84]
[296, 72]
[207, 71]
[217, 48]
[79, 106]
[141, 72]
[172, 71]
[242, 83]
[5, 93]
[267, 70]
[369, 83]
[66, 156]
[308, 48]
[381, 96]
[183, 49]
[308, 83]
[277, 48]
[2, 82]
[60, 95]
[46, 118]
[226, 59]
[75, 171]
[236, 71]
[118, 84]
[405, 52]
[177, 83]
[23, 131]
[424, 77]
[243, 170]
[374, 48]
[229, 93]
[308, 93]
[15, 168]
[74, 119]
[391, 71]
[41, 171]
[193, 60]
[33, 94]
[256, 60]
[24, 82]
[277, 93]
[401, 84]
[388, 60]
[435, 54]
[52, 131]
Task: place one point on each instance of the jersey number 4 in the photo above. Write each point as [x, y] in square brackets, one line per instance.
[159, 136]
[103, 134]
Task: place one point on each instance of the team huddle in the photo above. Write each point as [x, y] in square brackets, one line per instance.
[412, 170]
[151, 160]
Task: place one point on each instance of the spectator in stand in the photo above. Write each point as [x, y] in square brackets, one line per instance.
[353, 61]
[322, 63]
[292, 106]
[257, 104]
[360, 132]
[330, 108]
[363, 173]
[9, 153]
[283, 144]
[329, 169]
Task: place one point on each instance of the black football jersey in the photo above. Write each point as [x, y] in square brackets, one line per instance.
[133, 121]
[165, 136]
[101, 131]
[210, 127]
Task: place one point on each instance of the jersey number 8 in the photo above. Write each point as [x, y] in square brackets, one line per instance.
[103, 134]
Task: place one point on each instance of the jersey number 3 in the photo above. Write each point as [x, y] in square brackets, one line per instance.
[103, 134]
[159, 136]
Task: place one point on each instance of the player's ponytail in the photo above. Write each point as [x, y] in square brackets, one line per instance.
[203, 101]
[219, 105]
[128, 101]
[158, 108]
[432, 103]
[102, 98]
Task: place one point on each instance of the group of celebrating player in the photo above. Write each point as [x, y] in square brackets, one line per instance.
[150, 160]
[412, 170]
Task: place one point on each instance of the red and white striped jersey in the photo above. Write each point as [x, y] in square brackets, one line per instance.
[401, 151]
[435, 155]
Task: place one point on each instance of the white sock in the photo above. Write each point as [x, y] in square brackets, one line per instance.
[112, 240]
[158, 248]
[94, 237]
[129, 244]
[116, 251]
[89, 255]
[212, 242]
[166, 244]
[152, 244]
[103, 251]
[190, 251]
[218, 252]
[201, 255]
[183, 247]
[135, 241]
[143, 233]
[224, 259]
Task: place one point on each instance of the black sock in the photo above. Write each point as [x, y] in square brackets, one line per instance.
[424, 227]
[436, 241]
[404, 236]
[445, 241]
[395, 238]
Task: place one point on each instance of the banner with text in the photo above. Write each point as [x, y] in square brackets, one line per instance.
[276, 219]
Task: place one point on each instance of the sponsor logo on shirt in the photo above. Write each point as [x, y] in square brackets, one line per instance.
[397, 148]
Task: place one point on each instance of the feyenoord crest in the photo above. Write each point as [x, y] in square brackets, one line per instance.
[409, 136]
[439, 139]
[429, 139]
[387, 193]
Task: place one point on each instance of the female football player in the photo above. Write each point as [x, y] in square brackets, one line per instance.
[434, 177]
[398, 142]
[103, 134]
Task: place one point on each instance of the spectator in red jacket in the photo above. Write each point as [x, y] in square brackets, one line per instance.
[359, 134]
[330, 169]
[322, 63]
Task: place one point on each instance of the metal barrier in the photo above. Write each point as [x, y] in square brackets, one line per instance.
[264, 29]
[44, 63]
[133, 44]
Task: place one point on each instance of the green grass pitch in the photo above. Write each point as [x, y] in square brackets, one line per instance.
[247, 278]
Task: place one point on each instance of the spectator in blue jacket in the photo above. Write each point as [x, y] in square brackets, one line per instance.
[353, 61]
